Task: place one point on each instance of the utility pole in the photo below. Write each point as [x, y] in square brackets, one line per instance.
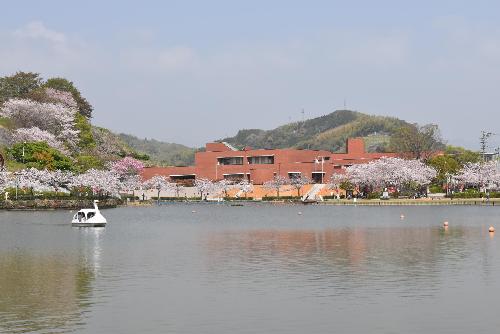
[483, 140]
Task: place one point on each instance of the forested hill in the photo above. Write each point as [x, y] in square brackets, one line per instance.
[161, 153]
[327, 132]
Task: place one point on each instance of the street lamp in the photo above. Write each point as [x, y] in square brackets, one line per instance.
[17, 182]
[24, 143]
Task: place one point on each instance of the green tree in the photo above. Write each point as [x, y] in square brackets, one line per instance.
[417, 142]
[444, 165]
[85, 136]
[41, 156]
[462, 155]
[86, 162]
[18, 85]
[84, 107]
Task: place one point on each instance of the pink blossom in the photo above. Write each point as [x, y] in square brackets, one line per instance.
[55, 118]
[58, 96]
[276, 183]
[391, 172]
[35, 134]
[481, 174]
[204, 187]
[127, 166]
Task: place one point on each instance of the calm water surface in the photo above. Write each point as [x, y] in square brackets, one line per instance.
[252, 269]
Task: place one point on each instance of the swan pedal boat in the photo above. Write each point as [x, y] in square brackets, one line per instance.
[89, 218]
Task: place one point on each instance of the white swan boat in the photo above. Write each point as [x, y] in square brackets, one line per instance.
[89, 218]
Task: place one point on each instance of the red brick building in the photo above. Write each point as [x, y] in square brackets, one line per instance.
[222, 161]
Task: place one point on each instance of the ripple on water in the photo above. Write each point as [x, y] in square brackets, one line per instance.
[251, 269]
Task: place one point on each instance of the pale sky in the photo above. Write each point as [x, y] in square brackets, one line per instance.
[195, 71]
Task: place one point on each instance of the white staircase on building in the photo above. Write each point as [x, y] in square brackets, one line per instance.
[231, 147]
[312, 194]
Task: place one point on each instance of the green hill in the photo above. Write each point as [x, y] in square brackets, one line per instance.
[161, 153]
[327, 132]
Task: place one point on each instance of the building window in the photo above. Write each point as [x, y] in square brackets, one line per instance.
[230, 161]
[261, 160]
[234, 177]
[318, 177]
[294, 175]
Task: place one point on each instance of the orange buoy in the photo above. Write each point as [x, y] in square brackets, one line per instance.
[491, 229]
[445, 224]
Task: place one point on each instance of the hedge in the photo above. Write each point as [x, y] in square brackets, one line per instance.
[276, 198]
[474, 194]
[170, 198]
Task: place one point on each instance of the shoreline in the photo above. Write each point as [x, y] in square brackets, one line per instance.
[416, 202]
[55, 204]
[50, 205]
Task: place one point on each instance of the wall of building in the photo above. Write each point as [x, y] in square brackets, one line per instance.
[306, 162]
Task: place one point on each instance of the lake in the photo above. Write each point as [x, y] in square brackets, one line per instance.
[259, 268]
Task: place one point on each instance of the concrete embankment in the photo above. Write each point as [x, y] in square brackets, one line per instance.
[53, 204]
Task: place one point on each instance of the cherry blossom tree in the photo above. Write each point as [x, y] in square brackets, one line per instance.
[35, 134]
[299, 182]
[5, 180]
[127, 171]
[56, 179]
[276, 183]
[387, 172]
[131, 183]
[55, 118]
[223, 186]
[32, 179]
[101, 182]
[204, 187]
[160, 183]
[245, 187]
[59, 96]
[481, 174]
[335, 182]
[126, 167]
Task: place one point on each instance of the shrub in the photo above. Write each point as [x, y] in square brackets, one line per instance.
[86, 162]
[238, 198]
[283, 198]
[436, 189]
[472, 193]
[180, 198]
[374, 195]
[41, 156]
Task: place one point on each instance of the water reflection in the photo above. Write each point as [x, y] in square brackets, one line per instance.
[403, 261]
[48, 292]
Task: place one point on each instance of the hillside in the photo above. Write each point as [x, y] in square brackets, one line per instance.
[46, 124]
[327, 132]
[161, 153]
